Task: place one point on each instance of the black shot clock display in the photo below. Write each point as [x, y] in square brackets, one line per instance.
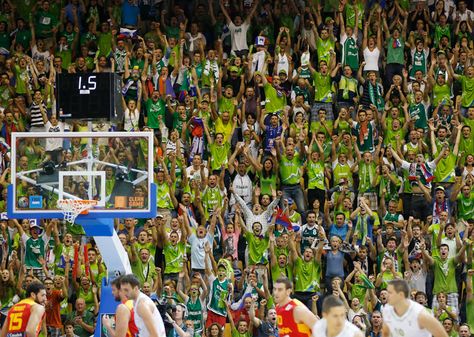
[89, 96]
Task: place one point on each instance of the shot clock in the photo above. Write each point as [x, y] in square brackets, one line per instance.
[89, 96]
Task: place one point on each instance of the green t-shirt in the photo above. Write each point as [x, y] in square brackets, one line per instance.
[34, 249]
[155, 109]
[465, 207]
[419, 115]
[322, 85]
[45, 21]
[278, 271]
[315, 174]
[444, 276]
[5, 40]
[307, 275]
[174, 257]
[441, 93]
[225, 104]
[219, 155]
[445, 170]
[104, 43]
[467, 91]
[470, 314]
[87, 317]
[350, 15]
[145, 272]
[21, 80]
[388, 276]
[290, 173]
[274, 101]
[257, 247]
[323, 48]
[267, 184]
[395, 50]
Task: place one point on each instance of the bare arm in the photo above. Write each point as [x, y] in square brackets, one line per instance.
[430, 323]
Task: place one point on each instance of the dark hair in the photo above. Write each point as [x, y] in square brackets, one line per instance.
[330, 302]
[310, 212]
[71, 323]
[210, 326]
[420, 293]
[130, 279]
[400, 286]
[35, 288]
[444, 245]
[286, 281]
[116, 282]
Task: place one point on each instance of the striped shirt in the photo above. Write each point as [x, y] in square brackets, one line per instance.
[36, 116]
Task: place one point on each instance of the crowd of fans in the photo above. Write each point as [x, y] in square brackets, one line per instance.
[330, 142]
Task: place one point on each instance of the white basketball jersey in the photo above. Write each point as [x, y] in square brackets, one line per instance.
[320, 329]
[157, 321]
[406, 325]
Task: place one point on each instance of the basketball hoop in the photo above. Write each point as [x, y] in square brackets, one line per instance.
[71, 208]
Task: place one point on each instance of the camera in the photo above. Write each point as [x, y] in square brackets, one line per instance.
[165, 308]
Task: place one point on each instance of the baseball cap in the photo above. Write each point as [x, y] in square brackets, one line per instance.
[234, 69]
[440, 188]
[282, 71]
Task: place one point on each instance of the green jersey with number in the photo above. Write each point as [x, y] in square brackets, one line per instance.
[218, 296]
[350, 53]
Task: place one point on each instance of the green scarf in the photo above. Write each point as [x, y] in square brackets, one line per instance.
[376, 97]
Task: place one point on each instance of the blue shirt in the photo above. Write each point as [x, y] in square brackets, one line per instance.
[130, 14]
[341, 232]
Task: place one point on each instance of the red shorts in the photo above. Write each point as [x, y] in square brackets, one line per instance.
[212, 317]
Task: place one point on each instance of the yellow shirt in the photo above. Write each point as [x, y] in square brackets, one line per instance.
[225, 129]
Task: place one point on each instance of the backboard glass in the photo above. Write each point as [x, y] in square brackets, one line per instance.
[113, 168]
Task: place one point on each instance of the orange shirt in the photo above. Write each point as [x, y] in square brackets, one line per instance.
[286, 323]
[18, 316]
[53, 309]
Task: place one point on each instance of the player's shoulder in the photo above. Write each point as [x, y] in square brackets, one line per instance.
[351, 330]
[319, 329]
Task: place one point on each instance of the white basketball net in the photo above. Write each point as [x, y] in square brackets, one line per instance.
[72, 208]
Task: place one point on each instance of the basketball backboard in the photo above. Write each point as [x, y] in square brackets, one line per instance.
[116, 169]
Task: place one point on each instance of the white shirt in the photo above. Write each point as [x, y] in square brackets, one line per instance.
[371, 59]
[157, 320]
[54, 143]
[191, 173]
[406, 325]
[320, 329]
[242, 186]
[197, 250]
[131, 120]
[238, 36]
